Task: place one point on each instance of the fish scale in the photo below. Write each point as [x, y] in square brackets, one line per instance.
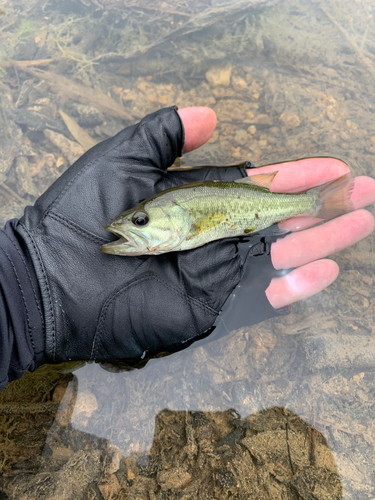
[246, 201]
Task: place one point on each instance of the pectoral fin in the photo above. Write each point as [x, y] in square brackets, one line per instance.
[207, 222]
[261, 180]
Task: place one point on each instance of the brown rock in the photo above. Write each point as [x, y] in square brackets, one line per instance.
[290, 120]
[110, 488]
[262, 120]
[173, 479]
[241, 137]
[219, 75]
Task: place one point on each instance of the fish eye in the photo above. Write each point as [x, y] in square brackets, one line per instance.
[140, 219]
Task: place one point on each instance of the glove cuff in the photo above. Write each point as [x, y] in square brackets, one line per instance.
[21, 311]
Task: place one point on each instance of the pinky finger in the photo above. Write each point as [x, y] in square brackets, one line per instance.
[301, 283]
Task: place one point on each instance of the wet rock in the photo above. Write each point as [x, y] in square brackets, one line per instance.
[85, 406]
[241, 137]
[339, 351]
[110, 128]
[35, 121]
[67, 402]
[173, 479]
[219, 75]
[290, 120]
[239, 84]
[25, 183]
[11, 138]
[113, 461]
[234, 437]
[252, 129]
[110, 488]
[87, 116]
[148, 465]
[23, 97]
[262, 120]
[68, 483]
[71, 150]
[314, 483]
[331, 115]
[225, 478]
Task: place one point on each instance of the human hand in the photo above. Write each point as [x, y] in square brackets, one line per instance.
[101, 307]
[305, 250]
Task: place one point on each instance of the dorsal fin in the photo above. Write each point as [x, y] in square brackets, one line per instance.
[261, 180]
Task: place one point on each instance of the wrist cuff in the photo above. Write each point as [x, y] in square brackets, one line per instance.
[21, 315]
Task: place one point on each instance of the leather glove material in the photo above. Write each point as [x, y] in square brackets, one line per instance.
[99, 306]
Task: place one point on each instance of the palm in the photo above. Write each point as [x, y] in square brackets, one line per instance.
[304, 250]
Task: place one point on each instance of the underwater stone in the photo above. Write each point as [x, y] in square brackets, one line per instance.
[339, 351]
[219, 75]
[241, 137]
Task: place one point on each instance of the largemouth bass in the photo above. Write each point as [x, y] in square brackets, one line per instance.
[188, 216]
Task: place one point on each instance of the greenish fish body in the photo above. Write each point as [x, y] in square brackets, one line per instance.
[191, 215]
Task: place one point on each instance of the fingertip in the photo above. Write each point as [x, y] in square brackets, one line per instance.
[199, 123]
[301, 283]
[363, 192]
[365, 221]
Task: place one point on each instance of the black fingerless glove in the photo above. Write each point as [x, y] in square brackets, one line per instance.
[96, 306]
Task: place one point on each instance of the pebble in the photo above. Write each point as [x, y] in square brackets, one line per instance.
[219, 75]
[71, 150]
[111, 488]
[368, 280]
[241, 137]
[344, 136]
[252, 129]
[88, 116]
[331, 115]
[290, 120]
[85, 406]
[173, 479]
[239, 84]
[262, 120]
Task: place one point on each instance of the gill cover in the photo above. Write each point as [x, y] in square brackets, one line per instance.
[165, 230]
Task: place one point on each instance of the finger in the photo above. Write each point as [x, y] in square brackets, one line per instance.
[199, 124]
[297, 249]
[300, 175]
[302, 283]
[363, 195]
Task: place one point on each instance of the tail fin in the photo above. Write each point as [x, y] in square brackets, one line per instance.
[334, 198]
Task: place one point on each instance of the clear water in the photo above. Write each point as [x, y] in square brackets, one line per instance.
[280, 410]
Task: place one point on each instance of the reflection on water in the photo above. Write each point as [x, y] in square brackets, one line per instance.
[280, 410]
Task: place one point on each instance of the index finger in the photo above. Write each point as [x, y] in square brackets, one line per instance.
[301, 175]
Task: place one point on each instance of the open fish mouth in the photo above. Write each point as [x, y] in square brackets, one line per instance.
[120, 241]
[125, 244]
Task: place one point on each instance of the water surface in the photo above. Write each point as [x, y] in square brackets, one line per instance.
[283, 409]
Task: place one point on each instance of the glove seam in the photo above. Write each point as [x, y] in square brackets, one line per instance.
[150, 276]
[23, 299]
[45, 294]
[67, 187]
[28, 274]
[76, 227]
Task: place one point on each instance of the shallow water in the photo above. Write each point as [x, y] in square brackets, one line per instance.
[283, 409]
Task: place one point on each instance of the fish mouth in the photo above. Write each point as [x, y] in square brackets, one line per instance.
[126, 244]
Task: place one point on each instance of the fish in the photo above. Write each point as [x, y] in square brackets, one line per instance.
[191, 215]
